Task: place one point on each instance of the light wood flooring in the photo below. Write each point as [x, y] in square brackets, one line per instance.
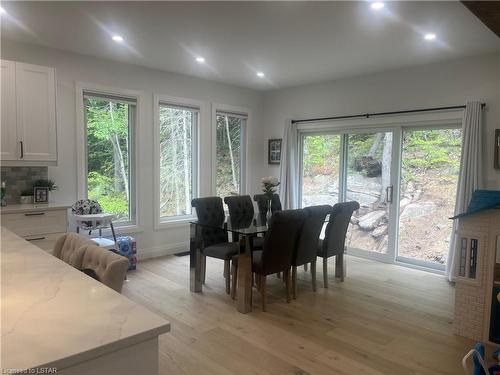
[384, 319]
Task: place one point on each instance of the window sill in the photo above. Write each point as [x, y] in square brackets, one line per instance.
[173, 223]
[120, 230]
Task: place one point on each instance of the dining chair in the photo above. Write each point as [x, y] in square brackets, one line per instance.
[262, 200]
[241, 206]
[280, 243]
[214, 241]
[308, 242]
[334, 242]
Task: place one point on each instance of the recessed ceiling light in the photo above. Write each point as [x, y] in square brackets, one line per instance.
[117, 38]
[430, 36]
[200, 59]
[260, 74]
[377, 5]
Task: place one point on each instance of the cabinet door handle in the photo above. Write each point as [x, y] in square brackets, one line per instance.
[34, 214]
[22, 149]
[35, 239]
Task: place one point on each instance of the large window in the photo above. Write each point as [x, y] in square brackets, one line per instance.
[109, 126]
[230, 153]
[177, 158]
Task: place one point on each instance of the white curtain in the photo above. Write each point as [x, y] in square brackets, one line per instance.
[289, 174]
[470, 177]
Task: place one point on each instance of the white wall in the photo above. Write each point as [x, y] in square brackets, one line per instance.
[449, 83]
[432, 85]
[71, 68]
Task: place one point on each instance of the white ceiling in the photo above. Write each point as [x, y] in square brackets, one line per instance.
[293, 43]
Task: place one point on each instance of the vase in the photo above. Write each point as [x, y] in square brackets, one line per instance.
[269, 212]
[26, 199]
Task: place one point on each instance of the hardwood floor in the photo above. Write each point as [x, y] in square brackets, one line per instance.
[384, 319]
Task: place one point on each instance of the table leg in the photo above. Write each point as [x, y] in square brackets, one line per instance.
[195, 260]
[244, 304]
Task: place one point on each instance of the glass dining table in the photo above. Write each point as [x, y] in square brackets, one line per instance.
[244, 228]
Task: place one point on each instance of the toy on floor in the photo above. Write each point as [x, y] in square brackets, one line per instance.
[478, 361]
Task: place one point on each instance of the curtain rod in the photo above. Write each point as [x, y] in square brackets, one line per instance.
[368, 115]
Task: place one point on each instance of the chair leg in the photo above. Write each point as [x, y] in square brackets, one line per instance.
[313, 274]
[262, 283]
[340, 267]
[227, 275]
[305, 267]
[287, 282]
[325, 272]
[203, 269]
[234, 276]
[294, 282]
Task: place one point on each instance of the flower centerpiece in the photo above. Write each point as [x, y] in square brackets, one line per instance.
[269, 185]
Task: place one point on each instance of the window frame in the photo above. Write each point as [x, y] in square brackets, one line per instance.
[239, 111]
[132, 226]
[162, 223]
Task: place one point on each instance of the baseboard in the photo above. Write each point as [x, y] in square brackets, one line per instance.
[159, 251]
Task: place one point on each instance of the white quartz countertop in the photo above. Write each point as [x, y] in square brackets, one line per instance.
[53, 315]
[13, 208]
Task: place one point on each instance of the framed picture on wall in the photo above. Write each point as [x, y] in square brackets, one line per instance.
[274, 151]
[497, 149]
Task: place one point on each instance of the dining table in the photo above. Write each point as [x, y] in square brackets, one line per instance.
[244, 228]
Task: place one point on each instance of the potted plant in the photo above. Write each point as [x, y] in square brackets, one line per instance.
[26, 196]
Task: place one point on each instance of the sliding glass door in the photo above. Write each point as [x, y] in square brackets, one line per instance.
[405, 180]
[368, 180]
[320, 169]
[430, 163]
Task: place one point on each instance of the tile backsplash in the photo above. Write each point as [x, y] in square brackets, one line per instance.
[18, 179]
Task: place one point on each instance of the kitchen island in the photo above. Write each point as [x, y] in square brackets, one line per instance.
[53, 316]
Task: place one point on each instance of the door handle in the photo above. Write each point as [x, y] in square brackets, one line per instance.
[22, 149]
[34, 214]
[389, 192]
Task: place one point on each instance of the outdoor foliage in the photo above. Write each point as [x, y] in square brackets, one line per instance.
[108, 155]
[176, 132]
[228, 154]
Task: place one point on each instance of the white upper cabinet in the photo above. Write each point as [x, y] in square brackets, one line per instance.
[33, 100]
[9, 145]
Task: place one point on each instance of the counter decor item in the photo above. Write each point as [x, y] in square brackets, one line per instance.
[3, 190]
[26, 196]
[269, 185]
[40, 194]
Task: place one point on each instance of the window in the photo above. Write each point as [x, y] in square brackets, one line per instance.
[230, 153]
[177, 159]
[110, 171]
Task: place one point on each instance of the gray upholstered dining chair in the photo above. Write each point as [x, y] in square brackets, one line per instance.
[307, 247]
[214, 241]
[280, 243]
[241, 206]
[262, 203]
[334, 242]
